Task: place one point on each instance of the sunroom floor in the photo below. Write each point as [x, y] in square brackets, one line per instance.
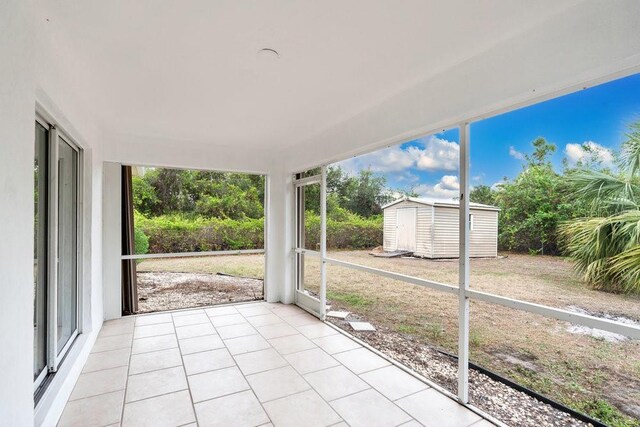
[247, 365]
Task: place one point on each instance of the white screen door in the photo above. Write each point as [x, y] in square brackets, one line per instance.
[406, 229]
[310, 242]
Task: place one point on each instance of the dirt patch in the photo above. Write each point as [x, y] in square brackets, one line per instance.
[158, 291]
[516, 359]
[599, 333]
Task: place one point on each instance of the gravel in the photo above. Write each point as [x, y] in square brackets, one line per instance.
[506, 404]
[159, 291]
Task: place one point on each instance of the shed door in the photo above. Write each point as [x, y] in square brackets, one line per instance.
[406, 229]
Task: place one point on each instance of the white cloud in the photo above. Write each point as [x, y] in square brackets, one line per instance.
[436, 155]
[589, 150]
[431, 154]
[407, 177]
[392, 159]
[497, 186]
[447, 188]
[515, 153]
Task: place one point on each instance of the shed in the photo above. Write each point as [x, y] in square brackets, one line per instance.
[429, 228]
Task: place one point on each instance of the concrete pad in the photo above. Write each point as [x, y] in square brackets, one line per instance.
[362, 326]
[338, 314]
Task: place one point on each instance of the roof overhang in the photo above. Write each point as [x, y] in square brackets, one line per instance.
[441, 203]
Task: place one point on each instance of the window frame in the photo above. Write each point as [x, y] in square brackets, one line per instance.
[55, 355]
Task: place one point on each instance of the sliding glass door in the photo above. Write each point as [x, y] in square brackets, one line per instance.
[67, 286]
[40, 195]
[56, 248]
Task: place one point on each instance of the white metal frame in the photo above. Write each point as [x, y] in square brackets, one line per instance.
[216, 253]
[315, 306]
[463, 291]
[193, 254]
[55, 355]
[463, 269]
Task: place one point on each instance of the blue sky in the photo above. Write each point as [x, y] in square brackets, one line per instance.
[597, 116]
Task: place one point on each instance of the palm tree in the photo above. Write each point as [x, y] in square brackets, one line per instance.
[606, 246]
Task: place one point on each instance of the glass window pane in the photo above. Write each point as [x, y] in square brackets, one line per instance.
[311, 217]
[67, 243]
[308, 235]
[40, 251]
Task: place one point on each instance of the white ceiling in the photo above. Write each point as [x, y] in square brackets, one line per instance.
[188, 70]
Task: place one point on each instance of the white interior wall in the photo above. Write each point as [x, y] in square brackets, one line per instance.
[278, 279]
[589, 43]
[31, 78]
[69, 113]
[17, 100]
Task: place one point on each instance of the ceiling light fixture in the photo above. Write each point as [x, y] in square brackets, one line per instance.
[268, 54]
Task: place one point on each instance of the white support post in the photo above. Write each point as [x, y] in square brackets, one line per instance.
[323, 243]
[463, 299]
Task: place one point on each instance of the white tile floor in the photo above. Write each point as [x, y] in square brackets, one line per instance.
[246, 365]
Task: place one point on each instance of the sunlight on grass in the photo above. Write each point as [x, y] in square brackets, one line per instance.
[351, 299]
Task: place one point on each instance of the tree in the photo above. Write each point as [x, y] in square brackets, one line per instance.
[144, 196]
[192, 193]
[541, 152]
[171, 189]
[533, 204]
[606, 244]
[482, 194]
[363, 194]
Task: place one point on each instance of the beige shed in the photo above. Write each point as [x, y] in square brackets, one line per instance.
[429, 228]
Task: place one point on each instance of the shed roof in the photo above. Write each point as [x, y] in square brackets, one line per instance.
[443, 203]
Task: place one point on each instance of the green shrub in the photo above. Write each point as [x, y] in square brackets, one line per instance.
[355, 232]
[177, 233]
[141, 241]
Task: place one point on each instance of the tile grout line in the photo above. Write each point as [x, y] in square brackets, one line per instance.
[392, 362]
[158, 395]
[243, 375]
[411, 394]
[126, 384]
[95, 395]
[186, 377]
[201, 307]
[305, 380]
[270, 346]
[129, 347]
[155, 370]
[357, 375]
[370, 387]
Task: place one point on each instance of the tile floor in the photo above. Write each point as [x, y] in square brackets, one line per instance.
[246, 365]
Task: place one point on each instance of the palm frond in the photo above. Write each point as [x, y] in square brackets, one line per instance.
[625, 267]
[630, 156]
[606, 193]
[597, 245]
